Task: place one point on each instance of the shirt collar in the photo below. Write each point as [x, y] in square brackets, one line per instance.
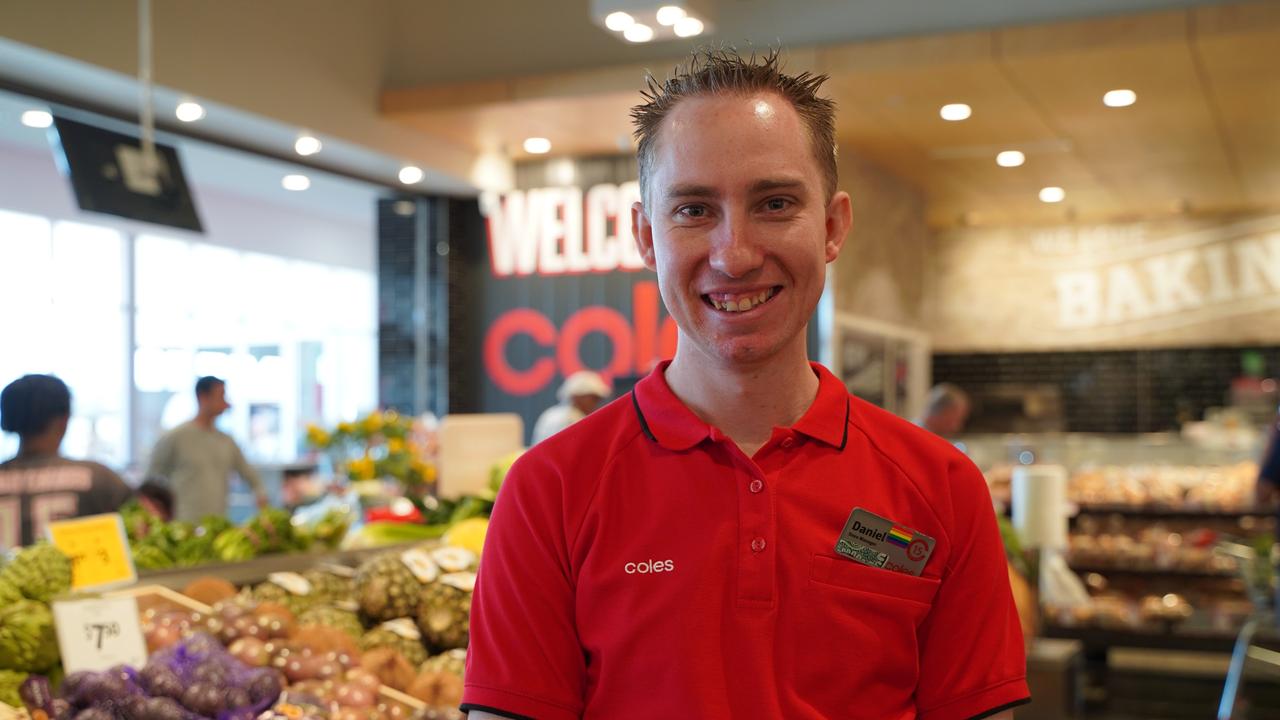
[670, 423]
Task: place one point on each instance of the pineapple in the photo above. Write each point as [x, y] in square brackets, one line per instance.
[411, 648]
[329, 587]
[450, 661]
[444, 610]
[329, 616]
[386, 588]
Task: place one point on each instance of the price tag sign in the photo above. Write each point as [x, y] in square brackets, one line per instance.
[98, 633]
[98, 548]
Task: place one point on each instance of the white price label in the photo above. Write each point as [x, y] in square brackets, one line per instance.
[99, 633]
[421, 564]
[294, 583]
[404, 627]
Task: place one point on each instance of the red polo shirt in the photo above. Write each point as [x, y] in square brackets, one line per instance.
[639, 565]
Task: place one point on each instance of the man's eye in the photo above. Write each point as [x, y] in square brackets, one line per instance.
[692, 211]
[777, 204]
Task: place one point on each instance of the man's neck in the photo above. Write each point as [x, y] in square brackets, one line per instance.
[744, 402]
[205, 421]
[37, 447]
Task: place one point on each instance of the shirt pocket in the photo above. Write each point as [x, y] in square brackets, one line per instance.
[857, 652]
[850, 575]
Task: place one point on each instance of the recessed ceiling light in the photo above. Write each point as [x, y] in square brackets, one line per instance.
[1119, 98]
[307, 145]
[411, 174]
[296, 183]
[955, 112]
[618, 21]
[670, 15]
[189, 111]
[638, 33]
[537, 146]
[1052, 194]
[37, 119]
[1010, 158]
[688, 27]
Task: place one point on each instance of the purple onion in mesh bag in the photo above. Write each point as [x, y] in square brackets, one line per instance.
[36, 694]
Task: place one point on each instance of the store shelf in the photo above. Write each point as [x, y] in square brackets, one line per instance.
[256, 570]
[1172, 512]
[1155, 572]
[1190, 636]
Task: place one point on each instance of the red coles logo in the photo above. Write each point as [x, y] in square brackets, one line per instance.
[637, 344]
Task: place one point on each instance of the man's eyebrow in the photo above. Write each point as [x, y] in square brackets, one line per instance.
[690, 191]
[769, 184]
[759, 186]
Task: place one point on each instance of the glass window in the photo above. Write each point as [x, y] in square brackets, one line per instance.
[62, 287]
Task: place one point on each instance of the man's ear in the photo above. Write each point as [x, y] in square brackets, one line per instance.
[839, 220]
[642, 231]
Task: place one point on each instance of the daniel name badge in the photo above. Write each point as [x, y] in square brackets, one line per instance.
[872, 540]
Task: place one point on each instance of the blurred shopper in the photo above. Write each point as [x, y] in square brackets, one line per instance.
[197, 459]
[740, 537]
[946, 410]
[156, 499]
[38, 485]
[580, 395]
[1267, 492]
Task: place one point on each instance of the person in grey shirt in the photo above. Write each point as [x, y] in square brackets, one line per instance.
[197, 458]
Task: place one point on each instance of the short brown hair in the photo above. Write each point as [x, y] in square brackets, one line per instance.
[723, 71]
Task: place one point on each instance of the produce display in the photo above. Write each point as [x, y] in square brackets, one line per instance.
[160, 545]
[379, 641]
[29, 579]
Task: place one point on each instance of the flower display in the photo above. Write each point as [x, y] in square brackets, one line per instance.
[382, 444]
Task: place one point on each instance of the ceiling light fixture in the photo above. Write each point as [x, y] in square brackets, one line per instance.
[37, 119]
[307, 145]
[296, 183]
[411, 174]
[642, 21]
[619, 21]
[1052, 194]
[188, 111]
[669, 15]
[638, 33]
[537, 146]
[1119, 98]
[1010, 158]
[954, 112]
[689, 27]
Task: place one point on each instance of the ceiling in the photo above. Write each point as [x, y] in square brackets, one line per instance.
[209, 166]
[1204, 135]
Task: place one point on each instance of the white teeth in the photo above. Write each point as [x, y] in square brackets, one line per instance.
[742, 305]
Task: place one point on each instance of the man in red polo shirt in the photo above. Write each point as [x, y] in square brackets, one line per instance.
[739, 537]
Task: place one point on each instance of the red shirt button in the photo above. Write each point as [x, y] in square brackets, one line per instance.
[788, 443]
[757, 545]
[756, 486]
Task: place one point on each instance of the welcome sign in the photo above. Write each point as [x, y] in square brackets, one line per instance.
[1163, 283]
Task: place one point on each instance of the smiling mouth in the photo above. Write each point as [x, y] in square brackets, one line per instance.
[737, 303]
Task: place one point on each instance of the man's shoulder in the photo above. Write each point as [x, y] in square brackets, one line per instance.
[919, 453]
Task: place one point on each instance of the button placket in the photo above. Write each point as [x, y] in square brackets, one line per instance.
[756, 559]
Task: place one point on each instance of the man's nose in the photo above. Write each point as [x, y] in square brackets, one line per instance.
[734, 251]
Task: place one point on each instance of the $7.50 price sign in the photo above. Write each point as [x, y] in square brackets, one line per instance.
[98, 633]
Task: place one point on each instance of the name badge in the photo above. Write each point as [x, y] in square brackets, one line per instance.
[872, 540]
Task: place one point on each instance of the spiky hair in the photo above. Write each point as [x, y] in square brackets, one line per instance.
[724, 71]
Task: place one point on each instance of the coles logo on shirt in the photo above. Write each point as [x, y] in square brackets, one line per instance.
[649, 567]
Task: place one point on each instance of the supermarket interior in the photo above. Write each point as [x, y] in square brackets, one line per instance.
[289, 287]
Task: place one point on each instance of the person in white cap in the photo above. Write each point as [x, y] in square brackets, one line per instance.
[581, 393]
